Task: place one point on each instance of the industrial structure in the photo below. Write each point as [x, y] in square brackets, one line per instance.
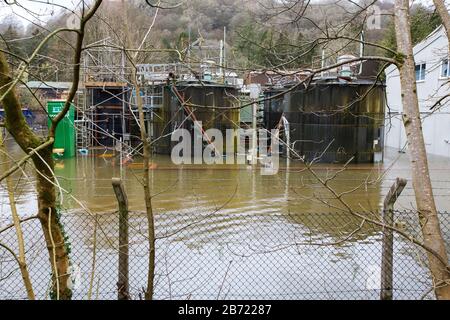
[102, 117]
[337, 116]
[334, 120]
[107, 112]
[186, 103]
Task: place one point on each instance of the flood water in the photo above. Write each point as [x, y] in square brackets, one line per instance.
[245, 224]
[242, 187]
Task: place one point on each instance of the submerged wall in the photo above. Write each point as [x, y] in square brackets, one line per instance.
[347, 116]
[172, 115]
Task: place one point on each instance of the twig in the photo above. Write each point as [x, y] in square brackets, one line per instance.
[24, 159]
[54, 253]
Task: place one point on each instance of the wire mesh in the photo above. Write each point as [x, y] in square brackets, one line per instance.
[219, 255]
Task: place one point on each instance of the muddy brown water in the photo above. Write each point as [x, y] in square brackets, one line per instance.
[242, 187]
[247, 215]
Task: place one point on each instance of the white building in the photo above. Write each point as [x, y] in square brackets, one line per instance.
[432, 77]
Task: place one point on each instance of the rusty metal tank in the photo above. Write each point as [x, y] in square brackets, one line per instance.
[342, 119]
[201, 97]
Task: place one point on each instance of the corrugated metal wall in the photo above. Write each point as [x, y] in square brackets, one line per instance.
[349, 114]
[171, 115]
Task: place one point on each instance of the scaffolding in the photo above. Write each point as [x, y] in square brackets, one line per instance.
[102, 109]
[107, 110]
[205, 60]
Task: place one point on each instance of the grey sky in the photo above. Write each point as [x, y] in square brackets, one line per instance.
[37, 10]
[43, 10]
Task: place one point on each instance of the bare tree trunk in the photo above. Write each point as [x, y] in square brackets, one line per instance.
[51, 226]
[421, 181]
[445, 16]
[147, 195]
[145, 138]
[43, 161]
[16, 220]
[24, 136]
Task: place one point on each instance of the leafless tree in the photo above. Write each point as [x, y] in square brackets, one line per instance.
[426, 206]
[41, 151]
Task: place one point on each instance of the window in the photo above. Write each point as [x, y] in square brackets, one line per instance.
[420, 71]
[444, 69]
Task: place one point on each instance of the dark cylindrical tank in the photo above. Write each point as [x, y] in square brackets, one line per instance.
[172, 115]
[345, 116]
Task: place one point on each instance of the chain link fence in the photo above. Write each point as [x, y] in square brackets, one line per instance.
[220, 255]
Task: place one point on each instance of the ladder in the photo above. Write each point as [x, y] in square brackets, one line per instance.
[82, 136]
[83, 125]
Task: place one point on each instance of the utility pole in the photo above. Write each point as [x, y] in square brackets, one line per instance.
[221, 70]
[224, 57]
[254, 135]
[255, 90]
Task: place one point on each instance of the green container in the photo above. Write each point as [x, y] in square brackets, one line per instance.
[64, 146]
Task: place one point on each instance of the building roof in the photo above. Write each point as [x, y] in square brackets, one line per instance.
[104, 84]
[204, 83]
[328, 81]
[430, 39]
[433, 36]
[49, 85]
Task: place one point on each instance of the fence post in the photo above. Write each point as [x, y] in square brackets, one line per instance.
[387, 255]
[122, 283]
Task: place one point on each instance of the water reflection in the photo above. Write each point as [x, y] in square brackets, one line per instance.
[202, 188]
[218, 214]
